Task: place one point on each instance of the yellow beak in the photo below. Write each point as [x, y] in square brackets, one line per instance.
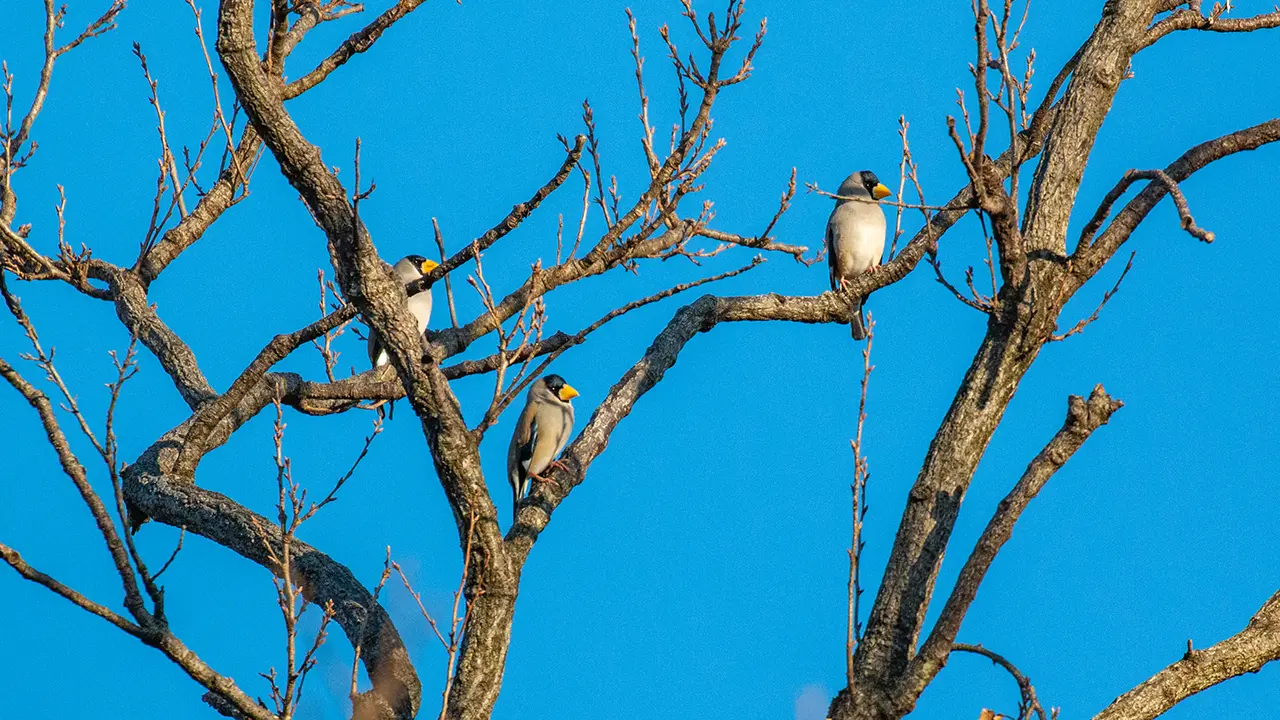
[567, 393]
[880, 192]
[428, 265]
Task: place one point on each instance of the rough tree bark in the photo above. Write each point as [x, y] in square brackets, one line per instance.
[1039, 272]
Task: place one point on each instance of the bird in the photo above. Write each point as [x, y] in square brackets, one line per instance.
[407, 269]
[541, 433]
[855, 235]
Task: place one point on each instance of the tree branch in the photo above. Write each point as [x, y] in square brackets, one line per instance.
[1030, 703]
[152, 489]
[1088, 260]
[1083, 417]
[1245, 652]
[1130, 177]
[509, 223]
[1192, 19]
[15, 561]
[357, 43]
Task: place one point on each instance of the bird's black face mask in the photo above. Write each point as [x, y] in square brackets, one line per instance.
[870, 181]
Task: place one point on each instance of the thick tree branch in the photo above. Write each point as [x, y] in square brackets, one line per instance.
[1193, 19]
[1245, 652]
[1011, 345]
[1083, 417]
[367, 283]
[209, 415]
[153, 489]
[139, 316]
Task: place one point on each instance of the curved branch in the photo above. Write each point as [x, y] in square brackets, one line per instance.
[151, 488]
[1030, 702]
[1130, 177]
[212, 413]
[1091, 259]
[700, 316]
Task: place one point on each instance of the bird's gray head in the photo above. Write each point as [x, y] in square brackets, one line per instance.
[863, 184]
[552, 389]
[412, 267]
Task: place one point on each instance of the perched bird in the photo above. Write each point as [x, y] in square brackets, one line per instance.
[541, 433]
[410, 268]
[855, 235]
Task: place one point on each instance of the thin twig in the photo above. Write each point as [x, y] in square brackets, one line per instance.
[859, 489]
[1029, 702]
[448, 281]
[1106, 297]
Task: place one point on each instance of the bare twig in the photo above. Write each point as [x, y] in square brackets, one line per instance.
[448, 281]
[1029, 702]
[858, 488]
[458, 623]
[355, 662]
[813, 188]
[328, 355]
[1106, 297]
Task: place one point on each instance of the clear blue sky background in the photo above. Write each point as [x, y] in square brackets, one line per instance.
[700, 570]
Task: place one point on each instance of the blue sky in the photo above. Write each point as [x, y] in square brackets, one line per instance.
[700, 570]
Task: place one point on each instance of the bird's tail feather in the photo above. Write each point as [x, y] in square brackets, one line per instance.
[855, 325]
[518, 489]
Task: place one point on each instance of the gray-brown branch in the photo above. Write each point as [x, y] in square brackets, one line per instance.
[1245, 652]
[1083, 417]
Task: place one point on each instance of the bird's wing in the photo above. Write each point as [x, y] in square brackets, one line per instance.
[527, 450]
[522, 443]
[520, 451]
[374, 346]
[829, 239]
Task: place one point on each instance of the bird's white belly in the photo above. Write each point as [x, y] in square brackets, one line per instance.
[860, 247]
[420, 306]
